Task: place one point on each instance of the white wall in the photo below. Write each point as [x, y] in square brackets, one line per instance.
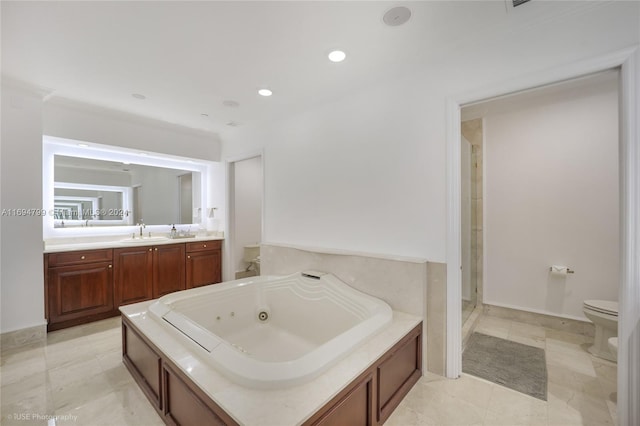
[248, 184]
[367, 172]
[21, 275]
[552, 198]
[84, 122]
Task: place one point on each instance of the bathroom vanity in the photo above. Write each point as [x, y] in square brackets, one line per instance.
[84, 284]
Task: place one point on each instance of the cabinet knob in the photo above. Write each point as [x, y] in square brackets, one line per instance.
[189, 257]
[156, 248]
[149, 249]
[205, 246]
[110, 266]
[81, 257]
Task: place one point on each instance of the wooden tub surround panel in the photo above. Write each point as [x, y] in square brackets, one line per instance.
[368, 400]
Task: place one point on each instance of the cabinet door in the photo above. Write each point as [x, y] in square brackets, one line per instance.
[79, 291]
[203, 268]
[134, 274]
[168, 269]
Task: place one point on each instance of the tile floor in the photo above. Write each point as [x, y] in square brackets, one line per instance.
[581, 388]
[77, 378]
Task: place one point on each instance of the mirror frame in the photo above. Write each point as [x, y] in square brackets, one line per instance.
[53, 146]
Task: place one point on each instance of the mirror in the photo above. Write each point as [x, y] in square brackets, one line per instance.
[90, 192]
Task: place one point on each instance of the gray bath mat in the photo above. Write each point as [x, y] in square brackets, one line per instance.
[519, 367]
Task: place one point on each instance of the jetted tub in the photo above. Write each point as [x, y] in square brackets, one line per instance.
[272, 332]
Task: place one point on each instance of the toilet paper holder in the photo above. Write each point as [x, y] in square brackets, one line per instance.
[569, 271]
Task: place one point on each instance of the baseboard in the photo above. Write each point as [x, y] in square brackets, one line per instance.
[24, 336]
[554, 322]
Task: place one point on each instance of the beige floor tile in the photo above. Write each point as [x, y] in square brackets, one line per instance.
[466, 388]
[446, 409]
[568, 407]
[508, 407]
[69, 396]
[495, 330]
[575, 361]
[69, 373]
[125, 407]
[530, 341]
[495, 322]
[27, 397]
[404, 415]
[613, 411]
[68, 353]
[527, 330]
[564, 336]
[17, 369]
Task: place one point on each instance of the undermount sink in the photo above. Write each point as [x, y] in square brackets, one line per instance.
[140, 240]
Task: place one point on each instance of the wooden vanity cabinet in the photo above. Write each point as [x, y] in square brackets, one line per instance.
[134, 274]
[89, 285]
[148, 272]
[203, 263]
[168, 269]
[79, 287]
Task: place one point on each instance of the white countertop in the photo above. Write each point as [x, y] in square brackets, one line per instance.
[71, 244]
[290, 406]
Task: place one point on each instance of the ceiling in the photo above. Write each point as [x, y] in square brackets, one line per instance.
[187, 58]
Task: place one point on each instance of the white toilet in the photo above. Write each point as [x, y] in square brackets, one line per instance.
[604, 315]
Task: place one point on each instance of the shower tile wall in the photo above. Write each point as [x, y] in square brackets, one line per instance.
[472, 130]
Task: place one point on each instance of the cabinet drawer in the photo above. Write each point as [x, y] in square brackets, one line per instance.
[79, 257]
[204, 245]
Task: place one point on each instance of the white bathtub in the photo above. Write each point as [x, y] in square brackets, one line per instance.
[312, 323]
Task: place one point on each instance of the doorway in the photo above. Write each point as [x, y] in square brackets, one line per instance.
[628, 61]
[246, 188]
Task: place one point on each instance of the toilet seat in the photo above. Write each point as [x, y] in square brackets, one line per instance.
[606, 307]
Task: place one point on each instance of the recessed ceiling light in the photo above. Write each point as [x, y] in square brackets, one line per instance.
[83, 145]
[337, 56]
[265, 92]
[231, 104]
[396, 16]
[139, 96]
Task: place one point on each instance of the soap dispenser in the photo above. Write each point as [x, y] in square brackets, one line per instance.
[174, 231]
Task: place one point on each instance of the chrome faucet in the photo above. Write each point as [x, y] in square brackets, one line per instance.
[141, 225]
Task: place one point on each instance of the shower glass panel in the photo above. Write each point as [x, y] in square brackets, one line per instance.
[468, 226]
